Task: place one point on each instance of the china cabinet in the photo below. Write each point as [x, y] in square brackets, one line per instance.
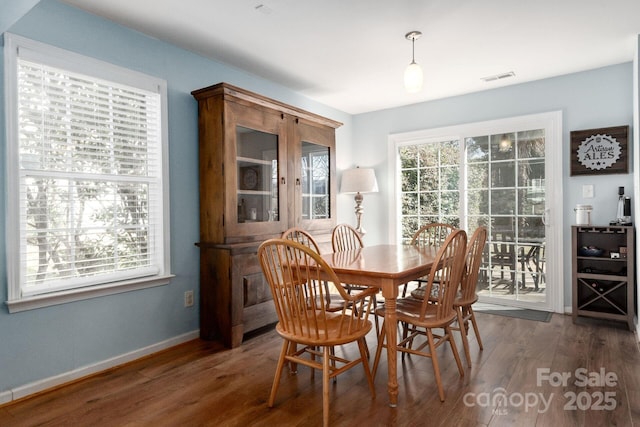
[603, 272]
[264, 166]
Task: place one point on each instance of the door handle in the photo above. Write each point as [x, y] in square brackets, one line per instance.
[545, 216]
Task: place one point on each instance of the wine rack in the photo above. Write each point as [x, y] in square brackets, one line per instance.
[603, 273]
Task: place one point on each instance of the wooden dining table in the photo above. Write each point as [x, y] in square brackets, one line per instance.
[386, 267]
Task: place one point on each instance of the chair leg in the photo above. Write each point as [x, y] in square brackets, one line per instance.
[276, 379]
[325, 386]
[364, 355]
[434, 362]
[293, 367]
[472, 316]
[463, 332]
[406, 330]
[405, 334]
[375, 316]
[332, 351]
[381, 340]
[454, 349]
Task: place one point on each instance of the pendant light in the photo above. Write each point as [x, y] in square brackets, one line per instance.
[413, 73]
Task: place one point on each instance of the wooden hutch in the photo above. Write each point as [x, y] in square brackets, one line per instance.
[264, 167]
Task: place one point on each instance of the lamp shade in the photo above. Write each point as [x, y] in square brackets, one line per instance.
[413, 78]
[359, 180]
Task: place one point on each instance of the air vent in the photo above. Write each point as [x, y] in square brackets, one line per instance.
[498, 77]
[263, 8]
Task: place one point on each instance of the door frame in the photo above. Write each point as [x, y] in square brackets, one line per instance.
[552, 123]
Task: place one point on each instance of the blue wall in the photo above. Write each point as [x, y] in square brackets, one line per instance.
[14, 10]
[42, 343]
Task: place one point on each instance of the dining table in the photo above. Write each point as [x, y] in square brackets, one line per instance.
[387, 267]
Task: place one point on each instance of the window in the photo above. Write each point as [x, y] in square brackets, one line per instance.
[87, 181]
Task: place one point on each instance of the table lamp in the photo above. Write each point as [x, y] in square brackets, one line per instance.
[359, 181]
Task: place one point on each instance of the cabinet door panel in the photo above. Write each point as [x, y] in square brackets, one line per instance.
[314, 191]
[257, 172]
[256, 289]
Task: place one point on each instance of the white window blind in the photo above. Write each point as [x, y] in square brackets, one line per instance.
[89, 179]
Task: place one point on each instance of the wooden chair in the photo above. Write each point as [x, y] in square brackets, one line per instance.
[333, 302]
[433, 234]
[293, 271]
[467, 295]
[345, 238]
[425, 316]
[301, 236]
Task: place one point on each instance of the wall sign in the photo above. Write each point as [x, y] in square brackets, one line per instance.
[600, 151]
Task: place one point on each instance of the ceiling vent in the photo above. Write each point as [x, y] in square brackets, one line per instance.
[263, 8]
[498, 77]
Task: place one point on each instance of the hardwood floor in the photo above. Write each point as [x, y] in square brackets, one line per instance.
[202, 384]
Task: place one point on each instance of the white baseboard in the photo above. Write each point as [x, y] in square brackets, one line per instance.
[5, 397]
[57, 380]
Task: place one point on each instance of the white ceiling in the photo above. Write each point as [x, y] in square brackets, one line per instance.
[351, 54]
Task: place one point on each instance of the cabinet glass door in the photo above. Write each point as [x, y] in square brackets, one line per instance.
[257, 172]
[315, 182]
[314, 189]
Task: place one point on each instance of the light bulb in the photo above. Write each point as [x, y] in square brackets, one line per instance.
[413, 78]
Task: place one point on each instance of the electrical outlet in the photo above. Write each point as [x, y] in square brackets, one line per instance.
[188, 299]
[587, 191]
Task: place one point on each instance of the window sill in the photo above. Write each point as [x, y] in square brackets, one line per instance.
[63, 297]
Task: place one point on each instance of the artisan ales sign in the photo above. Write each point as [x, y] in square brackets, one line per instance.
[600, 151]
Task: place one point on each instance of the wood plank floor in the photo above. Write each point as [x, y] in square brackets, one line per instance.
[202, 384]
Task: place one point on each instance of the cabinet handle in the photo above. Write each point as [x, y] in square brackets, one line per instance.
[283, 181]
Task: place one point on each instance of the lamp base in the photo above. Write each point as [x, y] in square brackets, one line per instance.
[359, 210]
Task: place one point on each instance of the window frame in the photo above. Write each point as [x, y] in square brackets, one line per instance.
[15, 47]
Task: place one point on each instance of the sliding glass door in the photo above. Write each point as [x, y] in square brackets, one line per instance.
[505, 192]
[496, 175]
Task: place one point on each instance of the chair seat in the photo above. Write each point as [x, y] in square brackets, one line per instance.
[334, 331]
[334, 302]
[419, 292]
[408, 311]
[460, 302]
